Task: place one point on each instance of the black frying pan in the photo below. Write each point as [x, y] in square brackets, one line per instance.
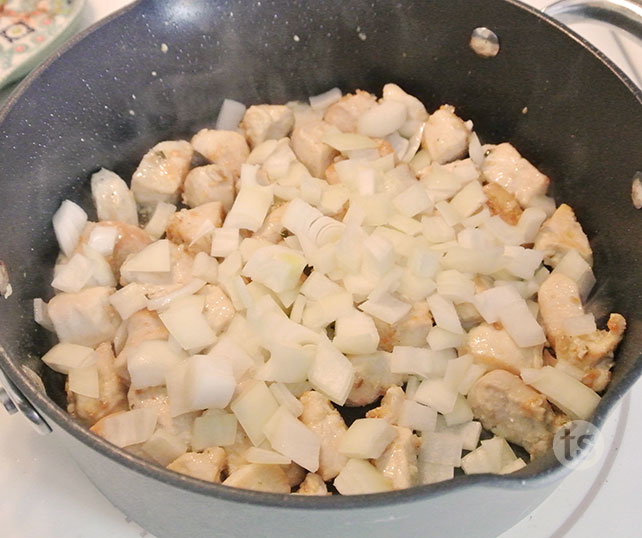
[114, 93]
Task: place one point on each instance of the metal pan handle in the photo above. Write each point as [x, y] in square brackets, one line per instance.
[625, 14]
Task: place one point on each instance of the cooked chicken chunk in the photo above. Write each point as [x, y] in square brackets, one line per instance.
[210, 183]
[207, 465]
[86, 317]
[502, 203]
[411, 330]
[559, 300]
[390, 407]
[372, 378]
[505, 166]
[345, 113]
[295, 473]
[313, 484]
[228, 149]
[511, 409]
[160, 175]
[496, 349]
[112, 391]
[323, 419]
[445, 135]
[560, 234]
[266, 122]
[194, 227]
[259, 477]
[399, 460]
[272, 227]
[309, 148]
[219, 310]
[112, 198]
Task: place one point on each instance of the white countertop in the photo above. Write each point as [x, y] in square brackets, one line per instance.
[44, 494]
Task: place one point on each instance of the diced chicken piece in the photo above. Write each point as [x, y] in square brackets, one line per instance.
[142, 326]
[506, 167]
[313, 485]
[511, 409]
[112, 198]
[194, 227]
[411, 330]
[390, 407]
[323, 419]
[156, 398]
[86, 317]
[156, 284]
[560, 234]
[228, 149]
[295, 473]
[345, 113]
[310, 150]
[219, 310]
[496, 349]
[372, 378]
[236, 452]
[445, 135]
[502, 203]
[559, 300]
[207, 465]
[160, 175]
[267, 122]
[112, 391]
[259, 477]
[272, 228]
[209, 183]
[399, 460]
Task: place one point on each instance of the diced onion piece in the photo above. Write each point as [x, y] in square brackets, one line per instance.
[387, 308]
[325, 99]
[443, 448]
[461, 413]
[411, 360]
[412, 201]
[128, 300]
[399, 144]
[420, 161]
[570, 395]
[530, 222]
[405, 224]
[469, 199]
[65, 356]
[277, 267]
[504, 232]
[523, 262]
[489, 303]
[478, 461]
[356, 334]
[205, 268]
[154, 258]
[360, 477]
[444, 314]
[423, 262]
[416, 416]
[472, 375]
[318, 285]
[253, 409]
[267, 457]
[286, 399]
[436, 229]
[213, 428]
[84, 381]
[230, 115]
[448, 213]
[41, 314]
[521, 325]
[187, 324]
[513, 466]
[164, 447]
[499, 452]
[455, 286]
[331, 373]
[579, 325]
[456, 370]
[469, 432]
[157, 224]
[437, 394]
[367, 438]
[251, 203]
[347, 141]
[382, 119]
[431, 473]
[101, 271]
[288, 363]
[576, 268]
[238, 358]
[149, 362]
[73, 275]
[293, 439]
[68, 223]
[475, 149]
[112, 198]
[439, 339]
[163, 301]
[209, 382]
[103, 239]
[225, 241]
[333, 199]
[127, 428]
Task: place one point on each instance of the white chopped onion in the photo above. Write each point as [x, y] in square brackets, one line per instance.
[266, 457]
[361, 477]
[64, 356]
[325, 99]
[468, 200]
[293, 439]
[489, 303]
[68, 223]
[225, 241]
[521, 325]
[331, 373]
[412, 201]
[205, 268]
[253, 409]
[530, 222]
[163, 301]
[277, 267]
[576, 268]
[41, 314]
[436, 229]
[112, 198]
[367, 438]
[356, 334]
[73, 275]
[149, 362]
[287, 363]
[127, 428]
[438, 395]
[347, 141]
[475, 149]
[128, 300]
[431, 473]
[382, 119]
[461, 413]
[579, 325]
[230, 115]
[154, 258]
[187, 324]
[164, 447]
[439, 339]
[411, 360]
[84, 380]
[286, 398]
[103, 239]
[444, 314]
[416, 416]
[157, 224]
[251, 204]
[442, 448]
[386, 307]
[213, 428]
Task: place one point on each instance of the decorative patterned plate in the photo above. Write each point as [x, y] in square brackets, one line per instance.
[30, 30]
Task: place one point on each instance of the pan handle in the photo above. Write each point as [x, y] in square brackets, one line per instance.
[625, 14]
